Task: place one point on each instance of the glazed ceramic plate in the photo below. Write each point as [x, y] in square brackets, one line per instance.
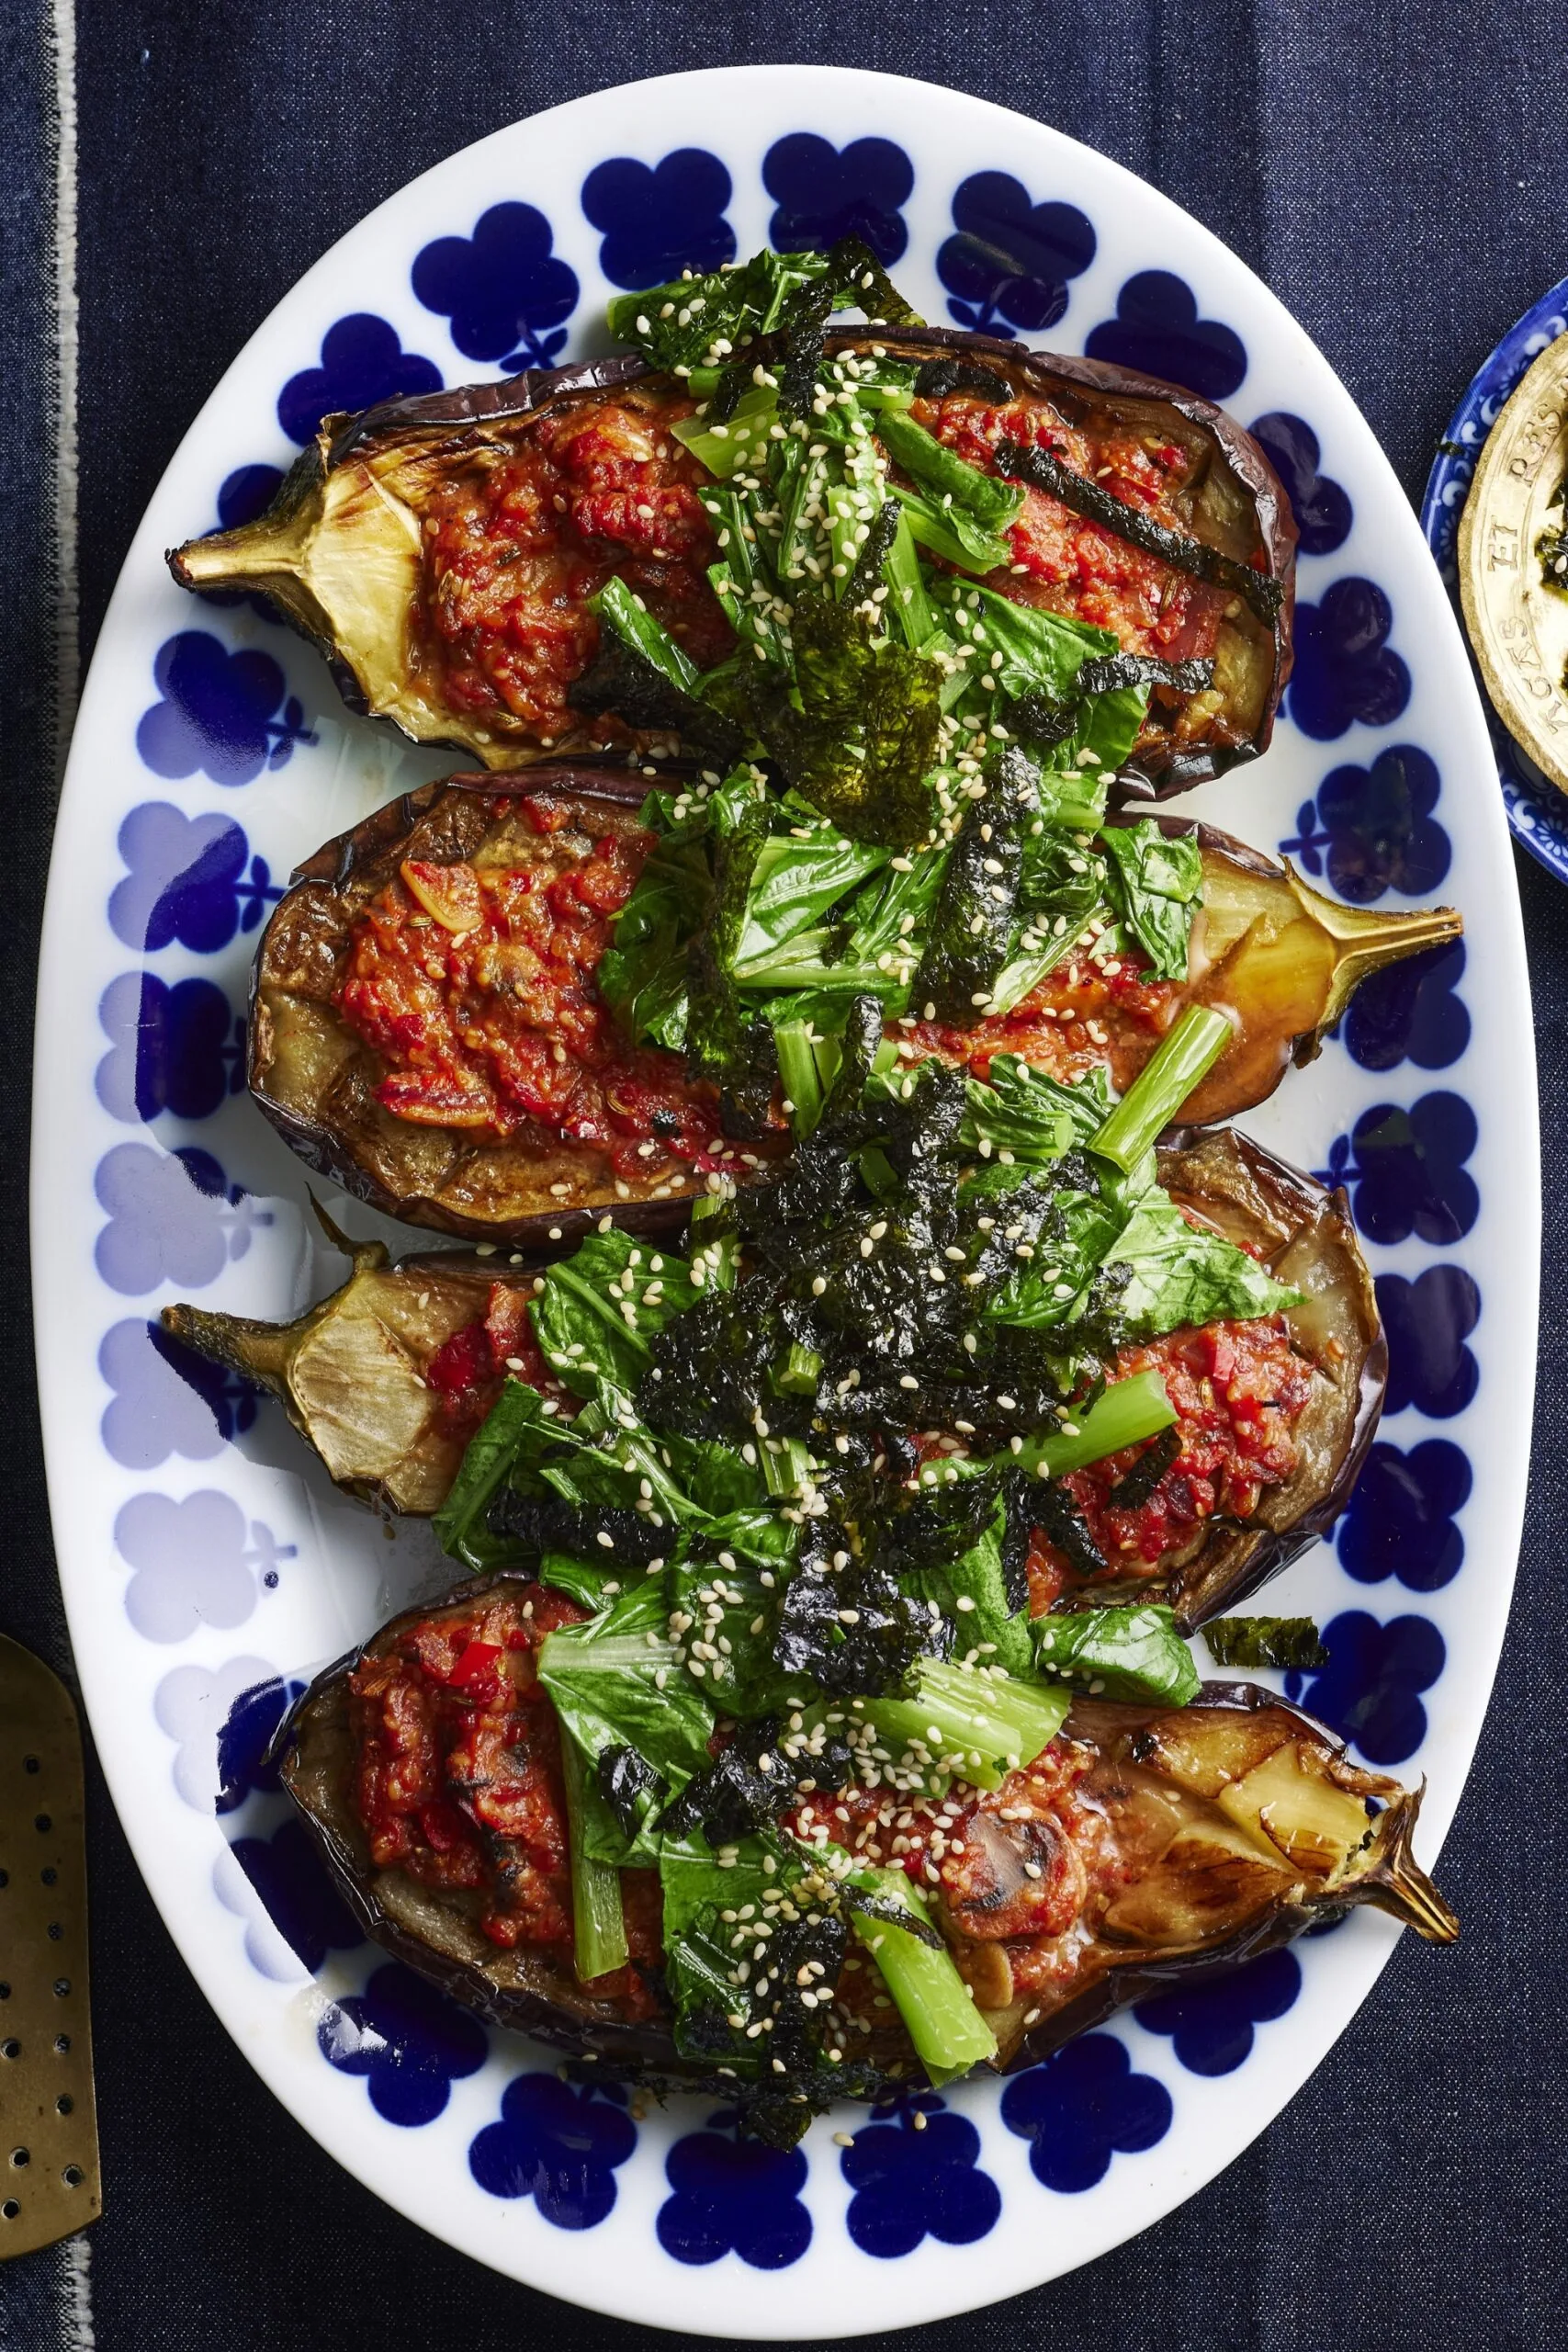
[1537, 811]
[208, 1571]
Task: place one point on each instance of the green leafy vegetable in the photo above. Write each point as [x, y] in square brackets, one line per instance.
[616, 1682]
[642, 974]
[970, 1587]
[755, 1938]
[1180, 1273]
[1187, 1052]
[1128, 1653]
[598, 1917]
[642, 675]
[957, 1723]
[740, 439]
[683, 325]
[864, 736]
[722, 1044]
[936, 2006]
[725, 1587]
[1026, 1111]
[951, 533]
[994, 503]
[973, 921]
[516, 1422]
[1126, 1413]
[795, 883]
[907, 600]
[1156, 880]
[599, 1308]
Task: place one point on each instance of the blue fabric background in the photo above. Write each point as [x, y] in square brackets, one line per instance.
[1395, 173]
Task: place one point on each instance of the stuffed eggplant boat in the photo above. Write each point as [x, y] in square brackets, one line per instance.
[1088, 1382]
[539, 1799]
[499, 1008]
[750, 527]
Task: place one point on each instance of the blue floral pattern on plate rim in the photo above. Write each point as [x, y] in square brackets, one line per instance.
[208, 1570]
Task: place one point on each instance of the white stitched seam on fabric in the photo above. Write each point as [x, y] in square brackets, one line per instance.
[60, 37]
[75, 2255]
[78, 2313]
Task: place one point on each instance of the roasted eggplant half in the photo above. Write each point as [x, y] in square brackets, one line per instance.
[450, 553]
[472, 923]
[1133, 1849]
[429, 1027]
[1261, 1419]
[390, 1376]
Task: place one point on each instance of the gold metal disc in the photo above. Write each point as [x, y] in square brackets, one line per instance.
[49, 2131]
[1518, 626]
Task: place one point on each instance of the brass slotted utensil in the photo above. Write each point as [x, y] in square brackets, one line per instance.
[49, 2131]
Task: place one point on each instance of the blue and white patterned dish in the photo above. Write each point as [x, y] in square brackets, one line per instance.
[1537, 811]
[208, 1570]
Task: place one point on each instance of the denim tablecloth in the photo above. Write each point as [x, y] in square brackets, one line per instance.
[1396, 172]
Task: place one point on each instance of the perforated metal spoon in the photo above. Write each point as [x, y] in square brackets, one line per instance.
[49, 2130]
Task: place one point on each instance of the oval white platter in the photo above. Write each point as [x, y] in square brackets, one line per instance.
[203, 1559]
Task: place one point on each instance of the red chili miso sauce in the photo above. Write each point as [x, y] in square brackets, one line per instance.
[458, 1779]
[476, 989]
[1239, 1390]
[514, 547]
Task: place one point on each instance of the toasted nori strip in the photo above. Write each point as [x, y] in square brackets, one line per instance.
[624, 1776]
[867, 573]
[724, 1044]
[871, 1657]
[1293, 1643]
[1061, 1523]
[1018, 1536]
[1042, 721]
[1100, 506]
[1105, 673]
[803, 331]
[622, 681]
[549, 1523]
[895, 1915]
[1145, 1474]
[734, 1795]
[725, 398]
[938, 377]
[803, 324]
[938, 1525]
[973, 921]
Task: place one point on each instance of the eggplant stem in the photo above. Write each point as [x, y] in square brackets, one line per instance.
[1366, 942]
[258, 550]
[1396, 1883]
[260, 1352]
[367, 1257]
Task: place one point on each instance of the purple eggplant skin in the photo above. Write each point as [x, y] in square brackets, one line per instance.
[358, 1147]
[457, 421]
[529, 1991]
[1247, 1192]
